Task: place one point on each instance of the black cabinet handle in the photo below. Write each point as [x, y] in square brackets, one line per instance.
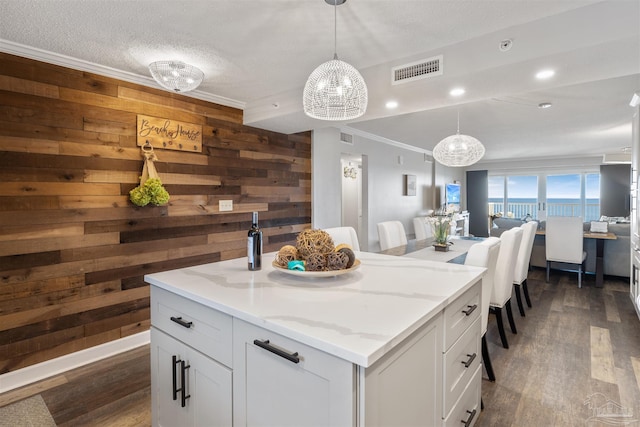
[470, 309]
[175, 361]
[183, 385]
[467, 422]
[469, 361]
[265, 344]
[181, 322]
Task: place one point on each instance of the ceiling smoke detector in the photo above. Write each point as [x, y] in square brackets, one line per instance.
[505, 45]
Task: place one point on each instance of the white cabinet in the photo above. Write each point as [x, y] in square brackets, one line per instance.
[635, 214]
[188, 388]
[281, 382]
[461, 360]
[404, 387]
[460, 224]
[212, 369]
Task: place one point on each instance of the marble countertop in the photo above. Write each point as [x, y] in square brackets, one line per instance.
[357, 316]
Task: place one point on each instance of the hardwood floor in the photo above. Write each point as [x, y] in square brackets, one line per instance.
[114, 392]
[572, 344]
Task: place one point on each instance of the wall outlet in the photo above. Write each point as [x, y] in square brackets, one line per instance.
[225, 205]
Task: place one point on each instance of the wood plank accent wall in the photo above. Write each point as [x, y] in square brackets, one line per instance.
[74, 249]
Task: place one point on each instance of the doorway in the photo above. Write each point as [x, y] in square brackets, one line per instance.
[353, 207]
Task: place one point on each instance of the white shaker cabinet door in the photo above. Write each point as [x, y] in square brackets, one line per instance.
[281, 382]
[404, 387]
[200, 397]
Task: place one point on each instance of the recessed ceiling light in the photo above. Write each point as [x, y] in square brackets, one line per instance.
[544, 105]
[545, 74]
[391, 104]
[457, 91]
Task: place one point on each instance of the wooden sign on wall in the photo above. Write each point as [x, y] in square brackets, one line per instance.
[169, 134]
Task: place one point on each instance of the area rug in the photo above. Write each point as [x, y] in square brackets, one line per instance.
[31, 412]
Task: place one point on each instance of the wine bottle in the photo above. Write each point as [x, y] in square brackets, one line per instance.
[254, 245]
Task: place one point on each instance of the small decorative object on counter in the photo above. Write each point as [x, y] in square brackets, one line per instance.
[150, 190]
[296, 265]
[254, 245]
[315, 252]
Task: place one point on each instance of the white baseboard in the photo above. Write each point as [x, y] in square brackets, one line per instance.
[40, 371]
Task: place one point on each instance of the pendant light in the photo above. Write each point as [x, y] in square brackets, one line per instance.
[335, 90]
[458, 150]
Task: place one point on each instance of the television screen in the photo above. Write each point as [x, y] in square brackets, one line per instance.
[452, 194]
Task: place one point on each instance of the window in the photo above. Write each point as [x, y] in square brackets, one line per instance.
[518, 192]
[570, 194]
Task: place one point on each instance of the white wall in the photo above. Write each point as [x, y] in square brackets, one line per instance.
[382, 181]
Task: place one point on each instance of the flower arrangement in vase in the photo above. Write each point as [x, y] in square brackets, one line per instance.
[441, 225]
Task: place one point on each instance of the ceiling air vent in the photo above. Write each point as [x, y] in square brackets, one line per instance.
[346, 138]
[417, 70]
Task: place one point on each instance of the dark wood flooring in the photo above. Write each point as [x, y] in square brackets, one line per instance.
[576, 350]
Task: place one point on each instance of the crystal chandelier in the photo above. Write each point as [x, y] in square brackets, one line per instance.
[335, 90]
[176, 76]
[458, 150]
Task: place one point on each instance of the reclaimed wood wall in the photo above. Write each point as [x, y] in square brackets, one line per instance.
[74, 249]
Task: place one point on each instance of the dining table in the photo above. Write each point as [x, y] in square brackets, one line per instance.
[425, 249]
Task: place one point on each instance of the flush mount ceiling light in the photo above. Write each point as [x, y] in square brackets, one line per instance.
[335, 90]
[457, 91]
[458, 150]
[543, 105]
[176, 76]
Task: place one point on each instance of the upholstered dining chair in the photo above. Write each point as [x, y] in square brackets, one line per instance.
[422, 227]
[503, 280]
[485, 254]
[522, 263]
[391, 234]
[564, 242]
[346, 235]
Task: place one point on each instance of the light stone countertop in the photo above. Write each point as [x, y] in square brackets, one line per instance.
[357, 316]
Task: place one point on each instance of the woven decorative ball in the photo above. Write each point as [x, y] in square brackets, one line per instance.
[312, 242]
[285, 254]
[351, 256]
[316, 262]
[337, 261]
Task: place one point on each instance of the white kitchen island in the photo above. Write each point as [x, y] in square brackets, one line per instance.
[396, 342]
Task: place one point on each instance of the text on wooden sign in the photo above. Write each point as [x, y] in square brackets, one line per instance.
[169, 134]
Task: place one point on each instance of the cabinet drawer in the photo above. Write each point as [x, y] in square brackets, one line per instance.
[460, 364]
[461, 314]
[278, 381]
[203, 328]
[467, 409]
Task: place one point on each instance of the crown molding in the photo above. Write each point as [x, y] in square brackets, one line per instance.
[374, 137]
[24, 51]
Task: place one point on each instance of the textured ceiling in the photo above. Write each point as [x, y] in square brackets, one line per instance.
[257, 54]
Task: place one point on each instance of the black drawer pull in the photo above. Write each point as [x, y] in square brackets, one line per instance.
[175, 376]
[468, 363]
[265, 344]
[471, 309]
[183, 386]
[467, 423]
[181, 322]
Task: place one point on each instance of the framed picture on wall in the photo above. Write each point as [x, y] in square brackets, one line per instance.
[409, 185]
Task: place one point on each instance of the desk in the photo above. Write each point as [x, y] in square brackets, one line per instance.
[423, 249]
[600, 238]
